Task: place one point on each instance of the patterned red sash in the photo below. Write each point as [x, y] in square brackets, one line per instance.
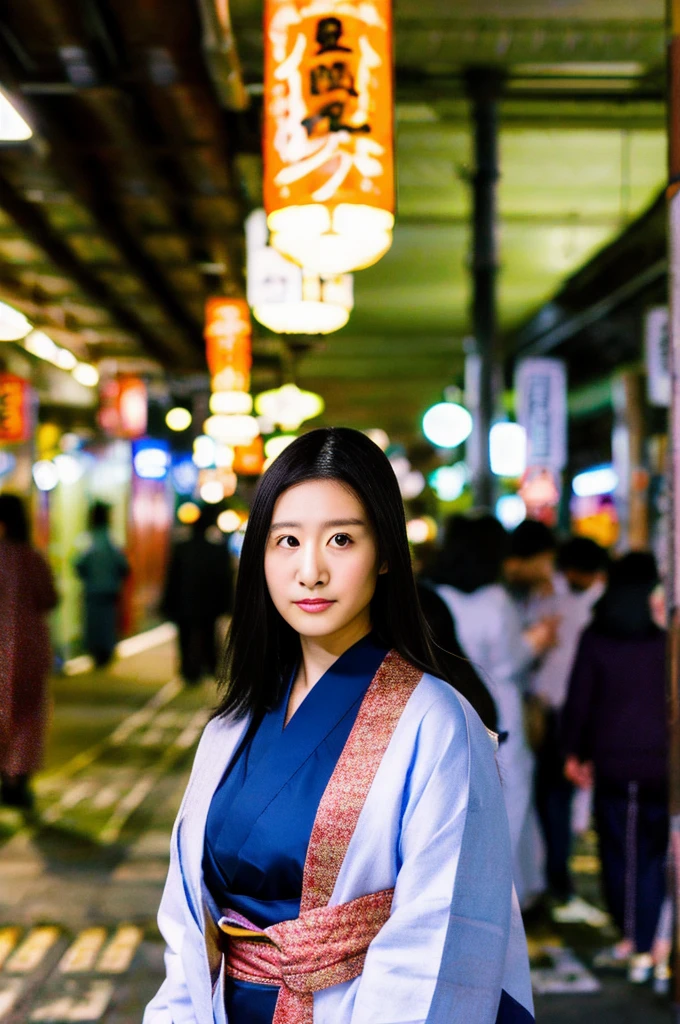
[327, 945]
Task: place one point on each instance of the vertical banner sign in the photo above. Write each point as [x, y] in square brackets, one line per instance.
[541, 388]
[228, 338]
[328, 131]
[657, 356]
[16, 409]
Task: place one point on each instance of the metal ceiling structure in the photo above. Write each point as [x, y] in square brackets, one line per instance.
[125, 211]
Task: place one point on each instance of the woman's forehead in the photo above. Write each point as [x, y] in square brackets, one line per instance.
[314, 499]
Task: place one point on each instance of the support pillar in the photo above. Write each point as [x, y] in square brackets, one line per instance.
[673, 584]
[484, 88]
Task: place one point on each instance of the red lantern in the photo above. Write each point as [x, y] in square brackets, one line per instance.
[123, 405]
[16, 409]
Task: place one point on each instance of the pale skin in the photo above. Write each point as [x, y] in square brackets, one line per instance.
[321, 548]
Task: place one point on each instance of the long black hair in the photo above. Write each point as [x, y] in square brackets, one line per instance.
[262, 650]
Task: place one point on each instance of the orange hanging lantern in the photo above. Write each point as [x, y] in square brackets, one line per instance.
[228, 343]
[16, 409]
[249, 459]
[328, 134]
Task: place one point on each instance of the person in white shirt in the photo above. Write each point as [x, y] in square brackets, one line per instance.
[566, 583]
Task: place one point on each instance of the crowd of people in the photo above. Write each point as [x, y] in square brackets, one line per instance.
[571, 647]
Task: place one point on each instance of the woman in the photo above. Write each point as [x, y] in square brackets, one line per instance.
[26, 595]
[614, 731]
[341, 852]
[490, 632]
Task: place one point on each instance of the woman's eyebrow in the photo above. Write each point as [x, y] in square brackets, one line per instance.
[330, 524]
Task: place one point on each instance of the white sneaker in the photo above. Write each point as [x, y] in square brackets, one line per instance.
[640, 968]
[578, 911]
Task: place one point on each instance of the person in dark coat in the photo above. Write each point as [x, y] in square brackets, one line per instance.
[103, 569]
[198, 591]
[27, 594]
[614, 732]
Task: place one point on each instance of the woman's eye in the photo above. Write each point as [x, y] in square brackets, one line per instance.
[341, 540]
[288, 542]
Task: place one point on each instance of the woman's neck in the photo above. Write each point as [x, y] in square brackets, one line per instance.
[319, 653]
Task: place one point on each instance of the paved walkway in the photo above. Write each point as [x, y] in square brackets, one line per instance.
[80, 882]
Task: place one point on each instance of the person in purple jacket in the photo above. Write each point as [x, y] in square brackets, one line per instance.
[614, 735]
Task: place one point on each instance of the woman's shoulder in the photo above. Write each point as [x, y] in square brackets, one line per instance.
[445, 710]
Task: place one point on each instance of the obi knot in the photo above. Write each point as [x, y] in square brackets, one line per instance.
[322, 947]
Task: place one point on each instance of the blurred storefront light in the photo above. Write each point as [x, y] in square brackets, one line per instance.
[224, 403]
[151, 459]
[69, 469]
[232, 430]
[421, 530]
[13, 325]
[188, 513]
[229, 521]
[86, 374]
[204, 452]
[412, 485]
[447, 424]
[212, 492]
[275, 445]
[329, 167]
[508, 450]
[511, 510]
[41, 345]
[178, 419]
[379, 437]
[595, 481]
[45, 475]
[13, 127]
[448, 482]
[288, 407]
[184, 475]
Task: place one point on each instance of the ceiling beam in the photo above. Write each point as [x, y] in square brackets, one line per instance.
[31, 221]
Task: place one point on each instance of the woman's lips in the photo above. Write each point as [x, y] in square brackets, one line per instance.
[313, 606]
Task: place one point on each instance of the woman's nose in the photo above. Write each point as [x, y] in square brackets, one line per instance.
[312, 570]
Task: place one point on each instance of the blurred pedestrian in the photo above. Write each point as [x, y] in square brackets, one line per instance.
[490, 632]
[575, 586]
[27, 593]
[451, 655]
[198, 592]
[614, 732]
[103, 569]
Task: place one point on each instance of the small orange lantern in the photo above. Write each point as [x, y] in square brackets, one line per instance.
[328, 132]
[249, 459]
[228, 337]
[16, 419]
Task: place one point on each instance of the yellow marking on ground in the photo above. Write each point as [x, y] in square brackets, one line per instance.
[8, 940]
[30, 953]
[120, 951]
[89, 1006]
[82, 954]
[10, 990]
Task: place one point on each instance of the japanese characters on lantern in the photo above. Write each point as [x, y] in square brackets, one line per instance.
[16, 409]
[328, 136]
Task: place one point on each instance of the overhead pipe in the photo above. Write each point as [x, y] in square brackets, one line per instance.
[221, 55]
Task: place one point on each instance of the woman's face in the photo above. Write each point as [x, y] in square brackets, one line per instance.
[321, 561]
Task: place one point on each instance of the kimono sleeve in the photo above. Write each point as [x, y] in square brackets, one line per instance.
[451, 945]
[172, 1003]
